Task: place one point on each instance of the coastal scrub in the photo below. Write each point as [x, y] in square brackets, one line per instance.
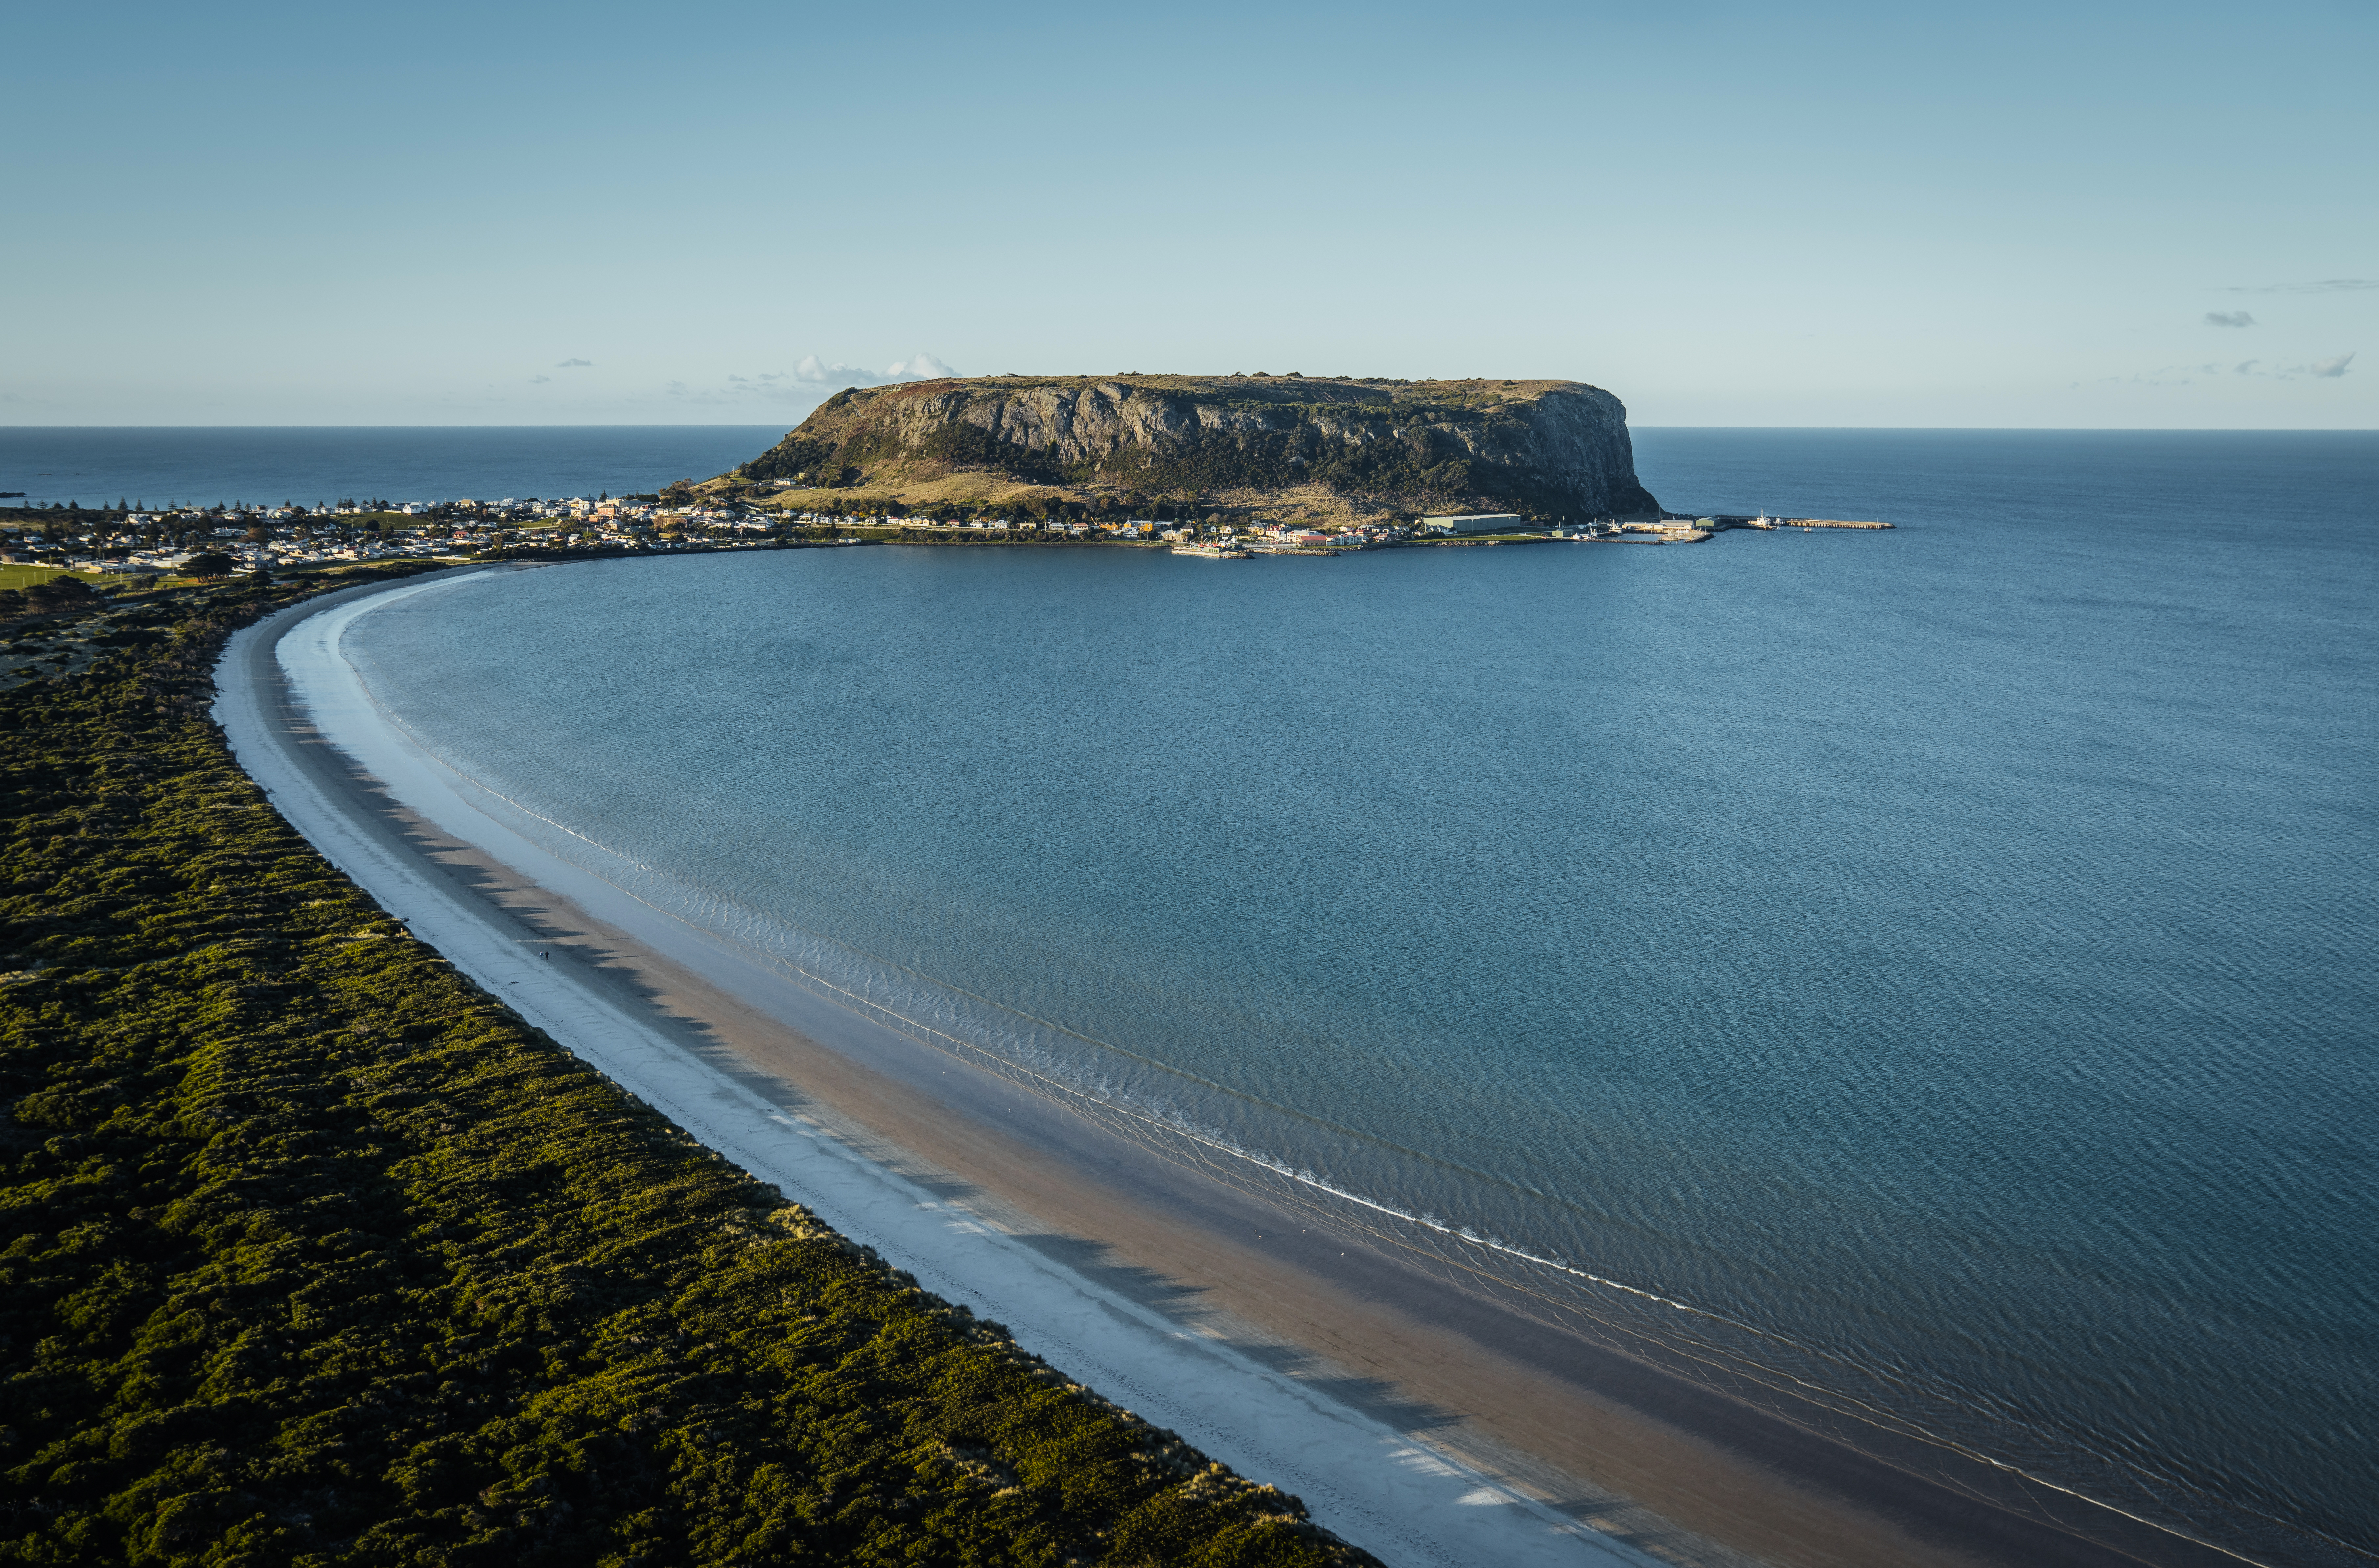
[312, 1253]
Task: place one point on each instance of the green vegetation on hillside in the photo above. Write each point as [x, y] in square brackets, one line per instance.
[313, 1253]
[1370, 447]
[1399, 454]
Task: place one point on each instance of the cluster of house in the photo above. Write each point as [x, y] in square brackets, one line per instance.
[115, 558]
[1126, 528]
[286, 537]
[246, 555]
[1289, 535]
[990, 524]
[603, 509]
[1295, 535]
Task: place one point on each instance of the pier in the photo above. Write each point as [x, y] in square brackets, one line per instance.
[1725, 519]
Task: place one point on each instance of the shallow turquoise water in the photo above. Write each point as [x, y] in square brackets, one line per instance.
[1941, 958]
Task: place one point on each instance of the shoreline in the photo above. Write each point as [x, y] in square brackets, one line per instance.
[1415, 1420]
[773, 1100]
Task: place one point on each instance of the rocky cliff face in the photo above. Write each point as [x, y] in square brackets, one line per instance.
[1546, 447]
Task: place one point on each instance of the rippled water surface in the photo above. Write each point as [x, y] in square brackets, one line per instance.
[1939, 959]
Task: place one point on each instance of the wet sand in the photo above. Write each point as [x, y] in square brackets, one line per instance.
[1416, 1414]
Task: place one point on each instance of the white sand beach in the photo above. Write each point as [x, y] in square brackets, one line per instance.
[1415, 1420]
[1383, 1489]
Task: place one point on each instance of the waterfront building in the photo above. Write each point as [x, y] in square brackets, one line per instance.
[1476, 523]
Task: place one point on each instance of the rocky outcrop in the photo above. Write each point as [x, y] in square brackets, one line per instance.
[1550, 449]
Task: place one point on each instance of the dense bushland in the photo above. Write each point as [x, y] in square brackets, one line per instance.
[313, 1253]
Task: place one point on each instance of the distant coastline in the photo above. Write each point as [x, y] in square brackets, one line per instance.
[136, 549]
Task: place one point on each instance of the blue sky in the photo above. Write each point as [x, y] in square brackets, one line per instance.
[2018, 215]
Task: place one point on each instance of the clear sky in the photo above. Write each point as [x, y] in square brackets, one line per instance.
[2017, 215]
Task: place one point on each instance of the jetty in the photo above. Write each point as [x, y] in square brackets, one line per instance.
[1724, 520]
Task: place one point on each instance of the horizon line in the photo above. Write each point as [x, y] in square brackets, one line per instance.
[719, 425]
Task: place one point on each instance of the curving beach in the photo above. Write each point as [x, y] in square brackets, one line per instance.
[1418, 1420]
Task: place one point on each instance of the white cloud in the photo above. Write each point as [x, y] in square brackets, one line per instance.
[923, 368]
[2327, 285]
[818, 373]
[534, 380]
[808, 383]
[920, 368]
[2184, 375]
[2228, 319]
[576, 365]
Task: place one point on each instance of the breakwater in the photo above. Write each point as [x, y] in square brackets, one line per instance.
[1732, 520]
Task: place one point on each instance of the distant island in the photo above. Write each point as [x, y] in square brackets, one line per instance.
[1331, 452]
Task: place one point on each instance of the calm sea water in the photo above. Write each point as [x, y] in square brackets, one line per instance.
[1936, 965]
[164, 465]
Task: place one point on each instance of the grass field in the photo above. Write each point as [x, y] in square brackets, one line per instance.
[21, 577]
[117, 586]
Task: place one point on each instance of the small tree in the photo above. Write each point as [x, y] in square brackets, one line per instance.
[61, 593]
[209, 564]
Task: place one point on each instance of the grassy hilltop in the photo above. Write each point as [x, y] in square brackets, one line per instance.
[1335, 450]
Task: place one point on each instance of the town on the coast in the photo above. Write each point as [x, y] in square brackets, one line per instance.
[131, 542]
[1224, 467]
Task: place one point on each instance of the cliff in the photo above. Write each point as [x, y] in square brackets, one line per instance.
[1549, 449]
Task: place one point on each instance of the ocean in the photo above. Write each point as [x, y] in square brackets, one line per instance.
[318, 465]
[1918, 979]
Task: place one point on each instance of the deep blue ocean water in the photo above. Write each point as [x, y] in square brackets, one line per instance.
[1937, 961]
[316, 466]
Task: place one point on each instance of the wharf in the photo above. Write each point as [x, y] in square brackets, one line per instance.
[1725, 519]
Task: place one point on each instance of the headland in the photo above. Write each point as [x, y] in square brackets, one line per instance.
[1328, 451]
